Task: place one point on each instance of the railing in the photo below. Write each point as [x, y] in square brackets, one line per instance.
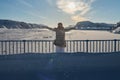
[8, 47]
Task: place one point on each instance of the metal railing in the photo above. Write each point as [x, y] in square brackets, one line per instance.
[8, 47]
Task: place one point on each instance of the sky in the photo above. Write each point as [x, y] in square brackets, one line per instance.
[69, 12]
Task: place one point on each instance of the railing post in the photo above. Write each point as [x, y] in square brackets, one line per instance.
[2, 47]
[115, 45]
[87, 45]
[24, 45]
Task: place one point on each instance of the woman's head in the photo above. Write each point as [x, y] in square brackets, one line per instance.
[60, 26]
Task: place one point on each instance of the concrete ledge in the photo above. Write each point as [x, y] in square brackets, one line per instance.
[59, 62]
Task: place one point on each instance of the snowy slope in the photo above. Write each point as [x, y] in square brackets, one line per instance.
[44, 34]
[117, 30]
[10, 24]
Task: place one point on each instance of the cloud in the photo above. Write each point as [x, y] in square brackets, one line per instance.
[50, 2]
[77, 9]
[25, 3]
[77, 18]
[36, 14]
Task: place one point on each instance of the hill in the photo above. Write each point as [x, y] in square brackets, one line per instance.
[87, 25]
[84, 25]
[10, 24]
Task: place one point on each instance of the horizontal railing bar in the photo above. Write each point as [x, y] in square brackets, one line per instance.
[53, 40]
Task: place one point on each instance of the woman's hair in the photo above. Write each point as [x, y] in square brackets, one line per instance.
[60, 26]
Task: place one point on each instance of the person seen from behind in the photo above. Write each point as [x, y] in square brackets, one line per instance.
[59, 41]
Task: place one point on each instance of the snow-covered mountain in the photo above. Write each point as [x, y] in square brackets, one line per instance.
[87, 25]
[10, 24]
[117, 28]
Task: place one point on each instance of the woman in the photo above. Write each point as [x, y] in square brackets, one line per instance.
[59, 42]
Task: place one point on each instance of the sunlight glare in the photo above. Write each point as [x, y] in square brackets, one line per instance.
[71, 5]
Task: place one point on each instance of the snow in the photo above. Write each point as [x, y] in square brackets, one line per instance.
[77, 66]
[117, 30]
[92, 35]
[64, 66]
[44, 34]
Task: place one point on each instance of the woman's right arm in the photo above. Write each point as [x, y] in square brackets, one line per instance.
[52, 29]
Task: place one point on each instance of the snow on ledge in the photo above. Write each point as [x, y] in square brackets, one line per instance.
[59, 62]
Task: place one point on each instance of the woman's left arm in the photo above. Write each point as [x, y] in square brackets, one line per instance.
[68, 29]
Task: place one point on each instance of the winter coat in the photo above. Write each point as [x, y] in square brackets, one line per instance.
[60, 36]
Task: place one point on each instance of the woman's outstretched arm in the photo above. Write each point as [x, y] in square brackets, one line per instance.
[52, 29]
[72, 28]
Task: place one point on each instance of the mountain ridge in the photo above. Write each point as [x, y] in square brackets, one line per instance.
[11, 24]
[88, 25]
[84, 25]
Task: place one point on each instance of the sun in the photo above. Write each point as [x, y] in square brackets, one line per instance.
[71, 5]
